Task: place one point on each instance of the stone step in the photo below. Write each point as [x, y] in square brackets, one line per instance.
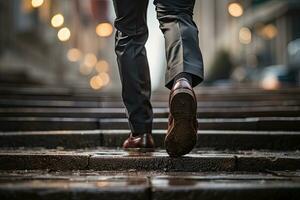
[217, 140]
[87, 92]
[56, 123]
[161, 97]
[118, 160]
[148, 186]
[204, 91]
[157, 104]
[268, 111]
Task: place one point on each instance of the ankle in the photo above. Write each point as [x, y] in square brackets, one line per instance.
[139, 134]
[184, 75]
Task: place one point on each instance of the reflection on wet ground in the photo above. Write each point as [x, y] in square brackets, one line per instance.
[157, 153]
[98, 180]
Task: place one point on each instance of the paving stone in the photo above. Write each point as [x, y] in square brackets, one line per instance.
[220, 140]
[284, 111]
[73, 112]
[192, 188]
[269, 161]
[39, 159]
[118, 160]
[247, 112]
[259, 124]
[21, 102]
[92, 175]
[205, 90]
[104, 188]
[217, 140]
[146, 185]
[112, 160]
[216, 95]
[162, 162]
[248, 140]
[44, 124]
[52, 139]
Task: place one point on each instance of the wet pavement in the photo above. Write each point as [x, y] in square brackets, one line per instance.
[207, 139]
[107, 159]
[147, 185]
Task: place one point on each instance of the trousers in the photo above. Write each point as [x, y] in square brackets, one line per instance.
[181, 46]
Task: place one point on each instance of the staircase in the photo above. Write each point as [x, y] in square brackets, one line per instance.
[57, 143]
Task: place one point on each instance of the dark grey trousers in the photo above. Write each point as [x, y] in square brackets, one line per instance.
[182, 52]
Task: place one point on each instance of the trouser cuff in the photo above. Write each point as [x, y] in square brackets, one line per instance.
[138, 128]
[195, 71]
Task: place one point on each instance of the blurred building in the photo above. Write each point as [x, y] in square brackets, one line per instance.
[254, 33]
[66, 43]
[71, 42]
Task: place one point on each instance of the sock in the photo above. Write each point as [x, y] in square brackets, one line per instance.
[185, 75]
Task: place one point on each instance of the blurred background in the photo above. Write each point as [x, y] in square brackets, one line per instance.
[70, 43]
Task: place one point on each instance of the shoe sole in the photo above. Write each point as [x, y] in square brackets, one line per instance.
[182, 138]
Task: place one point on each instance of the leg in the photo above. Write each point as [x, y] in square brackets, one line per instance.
[181, 36]
[184, 71]
[131, 36]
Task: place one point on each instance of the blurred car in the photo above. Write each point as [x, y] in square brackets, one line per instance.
[274, 77]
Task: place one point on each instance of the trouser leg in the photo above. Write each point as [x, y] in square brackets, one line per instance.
[131, 36]
[181, 39]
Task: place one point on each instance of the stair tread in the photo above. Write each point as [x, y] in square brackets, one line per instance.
[117, 159]
[95, 175]
[145, 185]
[163, 104]
[68, 123]
[207, 139]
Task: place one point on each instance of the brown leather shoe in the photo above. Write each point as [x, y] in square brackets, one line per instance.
[143, 143]
[182, 127]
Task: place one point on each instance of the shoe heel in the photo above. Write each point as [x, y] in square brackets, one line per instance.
[183, 136]
[182, 104]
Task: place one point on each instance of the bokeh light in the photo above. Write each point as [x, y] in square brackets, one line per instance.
[74, 55]
[235, 9]
[102, 66]
[104, 77]
[64, 34]
[26, 6]
[245, 35]
[84, 70]
[57, 20]
[104, 29]
[90, 60]
[96, 83]
[37, 3]
[269, 32]
[270, 82]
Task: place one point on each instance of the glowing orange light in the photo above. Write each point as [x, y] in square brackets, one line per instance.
[104, 77]
[37, 3]
[64, 34]
[57, 20]
[74, 55]
[104, 29]
[84, 70]
[270, 83]
[245, 35]
[235, 9]
[96, 83]
[90, 60]
[102, 66]
[269, 32]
